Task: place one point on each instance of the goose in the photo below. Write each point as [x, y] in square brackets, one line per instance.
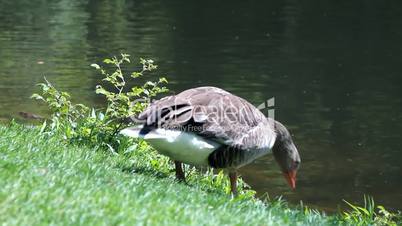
[208, 126]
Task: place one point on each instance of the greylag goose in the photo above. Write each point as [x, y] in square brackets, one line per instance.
[208, 126]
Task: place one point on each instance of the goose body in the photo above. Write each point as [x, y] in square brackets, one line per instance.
[207, 126]
[192, 149]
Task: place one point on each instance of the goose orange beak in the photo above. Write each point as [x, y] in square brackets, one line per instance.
[291, 178]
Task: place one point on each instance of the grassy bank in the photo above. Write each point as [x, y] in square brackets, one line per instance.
[45, 181]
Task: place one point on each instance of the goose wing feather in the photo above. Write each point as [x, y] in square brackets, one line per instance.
[214, 113]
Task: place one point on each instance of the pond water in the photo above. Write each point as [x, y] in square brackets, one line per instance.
[334, 68]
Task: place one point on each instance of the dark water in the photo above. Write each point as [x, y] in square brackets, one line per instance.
[334, 68]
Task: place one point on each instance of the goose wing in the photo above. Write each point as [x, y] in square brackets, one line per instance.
[214, 113]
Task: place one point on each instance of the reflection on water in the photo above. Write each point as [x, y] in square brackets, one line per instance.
[334, 69]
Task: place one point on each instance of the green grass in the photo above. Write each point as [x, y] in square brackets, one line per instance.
[44, 181]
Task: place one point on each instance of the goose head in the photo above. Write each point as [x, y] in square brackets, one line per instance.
[286, 154]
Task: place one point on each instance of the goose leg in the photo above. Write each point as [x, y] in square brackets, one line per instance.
[233, 182]
[180, 176]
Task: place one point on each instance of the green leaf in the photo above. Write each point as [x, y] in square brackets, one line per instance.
[149, 83]
[136, 74]
[108, 61]
[137, 91]
[101, 90]
[163, 80]
[37, 97]
[96, 66]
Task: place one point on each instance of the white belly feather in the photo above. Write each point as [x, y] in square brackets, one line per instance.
[181, 146]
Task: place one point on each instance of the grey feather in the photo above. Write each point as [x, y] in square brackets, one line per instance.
[214, 113]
